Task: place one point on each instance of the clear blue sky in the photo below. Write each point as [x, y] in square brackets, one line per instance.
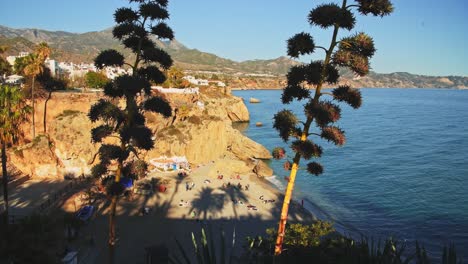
[421, 36]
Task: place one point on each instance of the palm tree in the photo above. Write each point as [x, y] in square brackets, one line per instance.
[5, 67]
[352, 52]
[50, 84]
[34, 67]
[13, 112]
[128, 123]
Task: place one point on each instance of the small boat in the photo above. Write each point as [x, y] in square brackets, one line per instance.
[254, 100]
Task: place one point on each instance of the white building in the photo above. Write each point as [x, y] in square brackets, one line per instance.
[193, 80]
[53, 67]
[12, 59]
[14, 79]
[112, 72]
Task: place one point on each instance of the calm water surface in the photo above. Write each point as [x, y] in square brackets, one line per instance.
[403, 171]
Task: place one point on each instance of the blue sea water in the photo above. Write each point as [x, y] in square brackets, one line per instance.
[402, 173]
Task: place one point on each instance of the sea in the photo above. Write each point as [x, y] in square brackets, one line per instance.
[403, 172]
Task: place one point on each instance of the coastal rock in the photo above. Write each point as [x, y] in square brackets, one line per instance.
[228, 167]
[36, 158]
[72, 140]
[245, 148]
[200, 143]
[254, 100]
[201, 129]
[231, 107]
[261, 169]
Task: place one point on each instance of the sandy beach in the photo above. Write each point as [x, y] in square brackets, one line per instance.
[214, 203]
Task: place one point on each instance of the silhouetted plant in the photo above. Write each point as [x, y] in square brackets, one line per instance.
[35, 239]
[449, 255]
[205, 249]
[352, 52]
[50, 84]
[134, 29]
[318, 243]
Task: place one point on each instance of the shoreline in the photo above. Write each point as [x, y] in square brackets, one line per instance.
[425, 88]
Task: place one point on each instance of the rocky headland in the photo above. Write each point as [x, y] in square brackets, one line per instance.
[200, 129]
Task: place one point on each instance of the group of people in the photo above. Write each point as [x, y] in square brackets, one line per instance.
[266, 201]
[189, 186]
[239, 186]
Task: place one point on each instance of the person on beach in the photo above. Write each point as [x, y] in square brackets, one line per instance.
[186, 186]
[247, 187]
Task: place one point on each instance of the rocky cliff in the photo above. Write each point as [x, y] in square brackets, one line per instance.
[200, 129]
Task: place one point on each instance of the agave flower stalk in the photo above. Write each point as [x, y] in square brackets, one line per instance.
[128, 124]
[353, 52]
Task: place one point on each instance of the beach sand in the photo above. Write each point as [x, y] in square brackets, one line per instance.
[178, 212]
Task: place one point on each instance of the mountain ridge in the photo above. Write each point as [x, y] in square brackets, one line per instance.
[83, 47]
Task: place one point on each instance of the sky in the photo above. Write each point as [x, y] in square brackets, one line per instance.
[422, 36]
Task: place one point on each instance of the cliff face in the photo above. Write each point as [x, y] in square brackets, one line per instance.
[201, 129]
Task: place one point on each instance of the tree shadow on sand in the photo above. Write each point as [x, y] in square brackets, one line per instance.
[235, 195]
[207, 201]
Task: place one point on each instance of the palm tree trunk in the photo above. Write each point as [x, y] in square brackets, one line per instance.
[33, 109]
[5, 181]
[45, 111]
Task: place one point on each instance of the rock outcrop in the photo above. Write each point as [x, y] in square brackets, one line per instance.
[200, 129]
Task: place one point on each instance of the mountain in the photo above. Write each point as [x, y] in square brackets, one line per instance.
[84, 47]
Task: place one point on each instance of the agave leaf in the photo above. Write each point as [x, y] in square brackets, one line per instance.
[183, 251]
[223, 247]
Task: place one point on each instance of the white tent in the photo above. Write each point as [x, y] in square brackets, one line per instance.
[170, 163]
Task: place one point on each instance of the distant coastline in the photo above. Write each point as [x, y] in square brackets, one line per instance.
[265, 89]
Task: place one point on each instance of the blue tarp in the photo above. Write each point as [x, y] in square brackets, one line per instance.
[127, 182]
